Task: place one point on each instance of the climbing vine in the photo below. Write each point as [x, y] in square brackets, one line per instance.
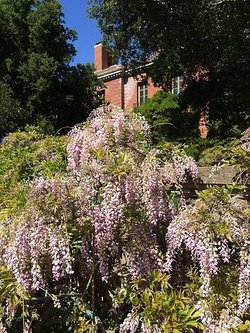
[118, 213]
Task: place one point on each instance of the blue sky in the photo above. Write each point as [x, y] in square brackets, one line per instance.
[76, 18]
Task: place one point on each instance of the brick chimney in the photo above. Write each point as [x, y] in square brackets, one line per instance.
[102, 57]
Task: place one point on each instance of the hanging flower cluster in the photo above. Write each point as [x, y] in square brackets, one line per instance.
[37, 240]
[114, 199]
[214, 229]
[129, 187]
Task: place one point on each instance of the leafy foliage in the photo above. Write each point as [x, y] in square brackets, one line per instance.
[35, 52]
[24, 156]
[157, 306]
[11, 114]
[166, 119]
[233, 153]
[10, 290]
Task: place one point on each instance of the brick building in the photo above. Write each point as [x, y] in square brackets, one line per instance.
[120, 88]
[126, 91]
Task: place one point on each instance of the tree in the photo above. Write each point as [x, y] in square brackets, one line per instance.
[77, 94]
[206, 41]
[35, 53]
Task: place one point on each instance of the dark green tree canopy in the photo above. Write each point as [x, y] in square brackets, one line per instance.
[206, 41]
[11, 114]
[35, 53]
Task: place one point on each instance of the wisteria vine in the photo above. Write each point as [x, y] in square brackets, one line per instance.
[117, 196]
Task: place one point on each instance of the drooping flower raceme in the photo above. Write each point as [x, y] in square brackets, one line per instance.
[37, 239]
[208, 228]
[114, 156]
[131, 185]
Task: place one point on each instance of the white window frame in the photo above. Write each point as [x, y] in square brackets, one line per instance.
[177, 85]
[142, 92]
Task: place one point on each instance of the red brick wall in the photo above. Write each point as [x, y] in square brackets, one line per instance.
[113, 92]
[131, 92]
[152, 89]
[124, 93]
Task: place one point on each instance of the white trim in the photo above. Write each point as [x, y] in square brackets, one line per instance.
[108, 74]
[179, 81]
[142, 87]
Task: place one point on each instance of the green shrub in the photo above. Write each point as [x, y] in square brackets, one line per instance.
[25, 155]
[165, 117]
[155, 303]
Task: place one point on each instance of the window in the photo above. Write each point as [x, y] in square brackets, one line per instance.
[142, 93]
[177, 85]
